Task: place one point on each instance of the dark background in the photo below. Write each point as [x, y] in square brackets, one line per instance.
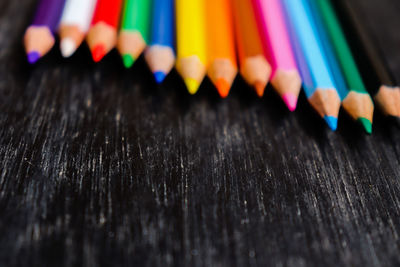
[100, 166]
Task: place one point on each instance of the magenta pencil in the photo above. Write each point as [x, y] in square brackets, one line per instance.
[285, 76]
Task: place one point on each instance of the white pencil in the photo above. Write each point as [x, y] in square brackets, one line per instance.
[74, 24]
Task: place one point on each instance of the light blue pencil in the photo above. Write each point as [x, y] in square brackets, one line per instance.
[335, 69]
[318, 81]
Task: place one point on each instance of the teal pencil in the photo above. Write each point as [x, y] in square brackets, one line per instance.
[318, 82]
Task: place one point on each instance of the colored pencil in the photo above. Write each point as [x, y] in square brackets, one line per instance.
[382, 85]
[160, 55]
[284, 77]
[318, 82]
[332, 61]
[134, 33]
[254, 67]
[74, 24]
[222, 64]
[39, 37]
[102, 35]
[191, 42]
[355, 97]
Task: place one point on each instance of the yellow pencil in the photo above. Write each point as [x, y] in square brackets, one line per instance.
[191, 42]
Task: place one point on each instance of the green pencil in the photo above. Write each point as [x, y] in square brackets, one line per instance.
[135, 30]
[357, 101]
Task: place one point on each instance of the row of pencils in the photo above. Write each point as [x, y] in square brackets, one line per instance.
[293, 44]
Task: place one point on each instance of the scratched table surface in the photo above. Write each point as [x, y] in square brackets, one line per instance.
[102, 167]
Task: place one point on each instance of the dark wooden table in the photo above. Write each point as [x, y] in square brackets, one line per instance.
[99, 166]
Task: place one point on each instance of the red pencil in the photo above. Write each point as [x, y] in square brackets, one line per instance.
[102, 36]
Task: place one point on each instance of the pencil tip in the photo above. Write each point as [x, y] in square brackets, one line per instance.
[128, 60]
[192, 85]
[367, 125]
[287, 84]
[332, 122]
[67, 47]
[290, 101]
[159, 76]
[223, 87]
[33, 57]
[98, 52]
[259, 87]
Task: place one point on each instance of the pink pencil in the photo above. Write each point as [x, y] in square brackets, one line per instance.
[285, 76]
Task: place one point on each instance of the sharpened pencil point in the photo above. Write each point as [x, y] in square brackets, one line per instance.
[159, 76]
[332, 122]
[290, 101]
[33, 57]
[67, 47]
[367, 125]
[128, 60]
[98, 52]
[223, 87]
[259, 87]
[192, 85]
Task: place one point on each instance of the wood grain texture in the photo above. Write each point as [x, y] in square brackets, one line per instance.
[100, 167]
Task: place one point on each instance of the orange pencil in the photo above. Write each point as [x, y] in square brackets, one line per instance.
[254, 67]
[222, 65]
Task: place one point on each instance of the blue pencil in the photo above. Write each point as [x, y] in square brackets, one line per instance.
[318, 81]
[336, 70]
[160, 56]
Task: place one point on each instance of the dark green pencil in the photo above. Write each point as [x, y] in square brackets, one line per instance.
[382, 85]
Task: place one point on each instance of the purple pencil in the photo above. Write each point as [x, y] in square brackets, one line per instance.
[39, 37]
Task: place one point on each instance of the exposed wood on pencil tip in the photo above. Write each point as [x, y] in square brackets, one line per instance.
[222, 73]
[288, 86]
[256, 72]
[131, 42]
[161, 60]
[359, 105]
[72, 37]
[192, 71]
[101, 39]
[388, 99]
[38, 41]
[326, 102]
